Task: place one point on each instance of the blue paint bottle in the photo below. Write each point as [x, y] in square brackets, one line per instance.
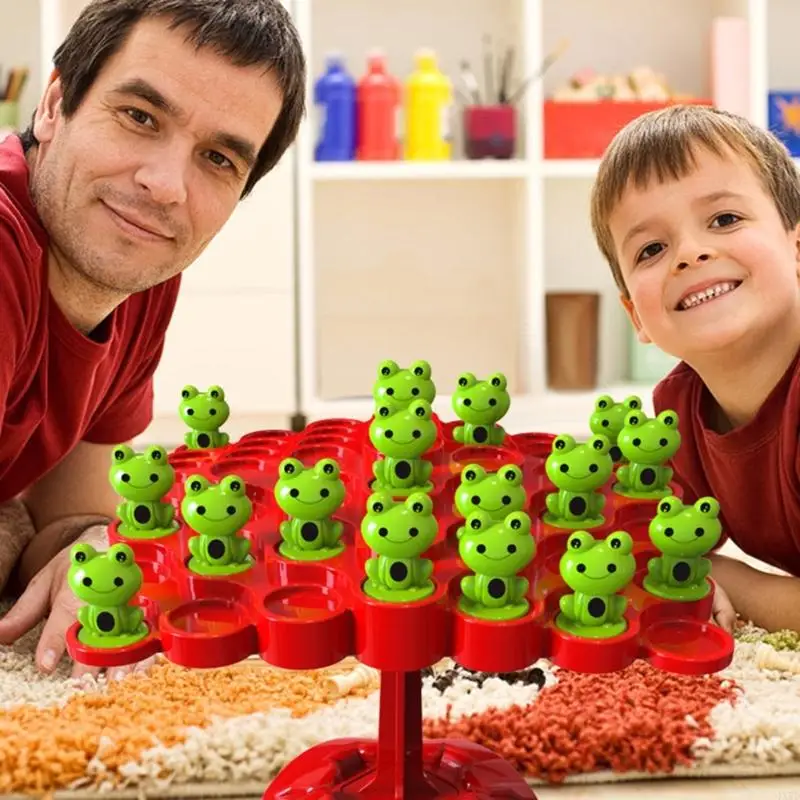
[335, 98]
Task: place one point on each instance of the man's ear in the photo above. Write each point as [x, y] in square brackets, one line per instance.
[627, 304]
[48, 111]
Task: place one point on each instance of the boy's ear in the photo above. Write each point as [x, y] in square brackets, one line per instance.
[48, 109]
[627, 304]
[797, 249]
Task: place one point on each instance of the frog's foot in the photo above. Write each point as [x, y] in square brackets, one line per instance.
[607, 630]
[371, 568]
[497, 436]
[410, 595]
[654, 571]
[111, 641]
[584, 524]
[566, 604]
[195, 549]
[424, 571]
[468, 587]
[459, 434]
[639, 493]
[624, 476]
[511, 609]
[691, 592]
[200, 565]
[552, 504]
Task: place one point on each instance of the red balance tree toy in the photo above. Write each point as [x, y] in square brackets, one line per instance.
[403, 540]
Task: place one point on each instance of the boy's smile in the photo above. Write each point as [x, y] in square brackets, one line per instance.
[706, 260]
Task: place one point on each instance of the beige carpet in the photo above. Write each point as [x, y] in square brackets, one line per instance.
[191, 733]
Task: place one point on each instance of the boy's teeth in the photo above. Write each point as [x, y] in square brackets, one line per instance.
[708, 294]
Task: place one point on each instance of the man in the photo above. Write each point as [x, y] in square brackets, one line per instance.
[159, 117]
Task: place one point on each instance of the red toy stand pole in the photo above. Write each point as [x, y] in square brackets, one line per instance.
[399, 766]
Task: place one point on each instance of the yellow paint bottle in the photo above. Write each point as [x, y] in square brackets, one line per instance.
[428, 102]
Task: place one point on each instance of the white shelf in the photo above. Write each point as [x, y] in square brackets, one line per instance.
[570, 167]
[418, 170]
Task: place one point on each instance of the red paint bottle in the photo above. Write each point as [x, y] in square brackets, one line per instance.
[379, 110]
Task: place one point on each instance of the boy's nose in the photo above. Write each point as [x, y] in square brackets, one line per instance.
[698, 259]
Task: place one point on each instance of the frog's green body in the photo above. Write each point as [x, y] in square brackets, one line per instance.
[205, 413]
[399, 533]
[310, 497]
[596, 570]
[480, 405]
[578, 471]
[683, 534]
[496, 552]
[107, 582]
[647, 445]
[142, 480]
[402, 437]
[216, 513]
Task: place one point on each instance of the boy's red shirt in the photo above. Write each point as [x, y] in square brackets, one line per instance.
[753, 471]
[58, 386]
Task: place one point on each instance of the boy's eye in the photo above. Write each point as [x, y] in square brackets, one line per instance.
[726, 219]
[651, 251]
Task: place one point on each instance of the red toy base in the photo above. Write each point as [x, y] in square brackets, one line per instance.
[349, 768]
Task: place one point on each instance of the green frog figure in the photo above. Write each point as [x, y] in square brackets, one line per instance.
[596, 570]
[647, 445]
[398, 388]
[142, 480]
[107, 582]
[402, 438]
[480, 405]
[497, 493]
[683, 535]
[578, 471]
[217, 512]
[310, 497]
[399, 532]
[205, 413]
[496, 552]
[608, 419]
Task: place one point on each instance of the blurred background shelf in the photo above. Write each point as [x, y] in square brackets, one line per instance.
[328, 268]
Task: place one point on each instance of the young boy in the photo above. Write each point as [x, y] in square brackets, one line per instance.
[697, 212]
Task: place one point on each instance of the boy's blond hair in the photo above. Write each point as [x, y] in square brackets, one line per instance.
[662, 144]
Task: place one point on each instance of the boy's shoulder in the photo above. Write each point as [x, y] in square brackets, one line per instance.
[678, 385]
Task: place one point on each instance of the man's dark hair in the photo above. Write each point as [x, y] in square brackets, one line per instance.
[248, 32]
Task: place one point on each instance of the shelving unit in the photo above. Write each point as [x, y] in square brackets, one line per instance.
[445, 261]
[370, 235]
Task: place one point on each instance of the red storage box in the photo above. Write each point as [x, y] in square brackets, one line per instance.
[585, 129]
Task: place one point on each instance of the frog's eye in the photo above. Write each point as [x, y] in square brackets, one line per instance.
[563, 443]
[633, 402]
[466, 379]
[600, 444]
[82, 553]
[383, 411]
[519, 521]
[475, 522]
[498, 380]
[188, 392]
[421, 409]
[634, 419]
[708, 506]
[121, 553]
[196, 484]
[419, 503]
[121, 454]
[216, 393]
[621, 542]
[388, 368]
[233, 484]
[512, 475]
[603, 402]
[472, 473]
[421, 369]
[327, 467]
[668, 418]
[290, 467]
[379, 502]
[157, 454]
[580, 541]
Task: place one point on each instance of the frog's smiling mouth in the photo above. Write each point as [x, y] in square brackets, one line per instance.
[217, 519]
[202, 419]
[136, 485]
[307, 503]
[107, 591]
[649, 449]
[400, 441]
[593, 578]
[578, 477]
[490, 510]
[493, 558]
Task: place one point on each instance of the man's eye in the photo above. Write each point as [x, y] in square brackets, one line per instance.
[651, 251]
[725, 220]
[219, 160]
[138, 116]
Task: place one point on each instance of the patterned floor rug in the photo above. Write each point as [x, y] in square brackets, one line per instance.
[170, 731]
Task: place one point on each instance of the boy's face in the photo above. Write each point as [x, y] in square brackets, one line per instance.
[135, 185]
[706, 259]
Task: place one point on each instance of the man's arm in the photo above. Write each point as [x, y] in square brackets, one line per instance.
[769, 601]
[73, 496]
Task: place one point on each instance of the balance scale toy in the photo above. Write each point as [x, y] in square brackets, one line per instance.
[402, 540]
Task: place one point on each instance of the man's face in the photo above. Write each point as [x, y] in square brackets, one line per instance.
[135, 185]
